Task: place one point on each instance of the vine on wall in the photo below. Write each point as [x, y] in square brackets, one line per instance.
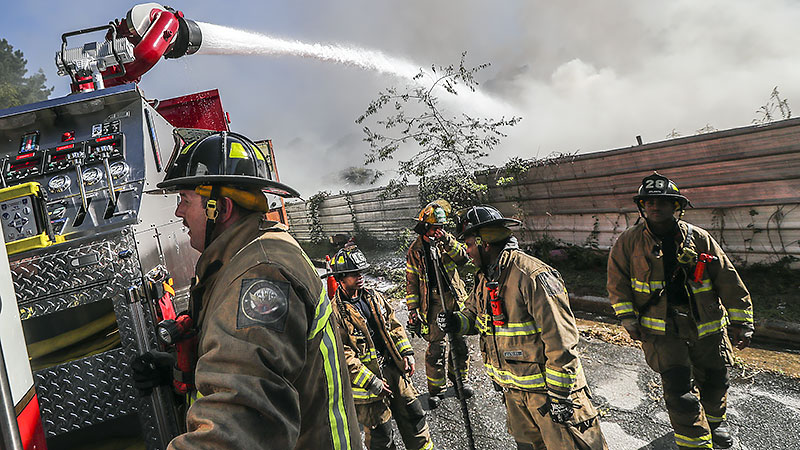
[313, 204]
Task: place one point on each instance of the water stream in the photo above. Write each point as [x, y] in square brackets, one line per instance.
[221, 40]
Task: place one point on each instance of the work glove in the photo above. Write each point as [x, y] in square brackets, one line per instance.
[152, 369]
[740, 334]
[633, 328]
[561, 409]
[379, 387]
[414, 324]
[447, 321]
[409, 364]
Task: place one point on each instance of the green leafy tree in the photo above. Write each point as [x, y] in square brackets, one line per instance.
[448, 146]
[15, 88]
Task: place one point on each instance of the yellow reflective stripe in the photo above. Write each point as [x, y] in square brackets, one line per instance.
[337, 417]
[428, 445]
[705, 286]
[699, 442]
[412, 300]
[450, 267]
[740, 315]
[362, 394]
[237, 151]
[403, 345]
[622, 308]
[509, 329]
[321, 314]
[463, 323]
[714, 419]
[186, 149]
[372, 355]
[645, 287]
[412, 269]
[508, 378]
[713, 326]
[363, 377]
[456, 249]
[192, 397]
[653, 323]
[561, 379]
[436, 381]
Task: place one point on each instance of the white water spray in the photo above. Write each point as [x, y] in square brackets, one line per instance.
[220, 40]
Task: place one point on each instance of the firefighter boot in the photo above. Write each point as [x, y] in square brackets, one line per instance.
[721, 434]
[467, 390]
[434, 400]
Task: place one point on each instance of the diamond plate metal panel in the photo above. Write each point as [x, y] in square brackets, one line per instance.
[85, 392]
[74, 274]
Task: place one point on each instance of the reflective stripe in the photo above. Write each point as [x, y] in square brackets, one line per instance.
[367, 357]
[450, 267]
[362, 394]
[560, 379]
[701, 442]
[509, 329]
[428, 445]
[412, 269]
[645, 287]
[237, 151]
[704, 329]
[403, 345]
[456, 249]
[436, 381]
[705, 286]
[463, 323]
[363, 377]
[508, 378]
[259, 155]
[321, 314]
[740, 315]
[622, 308]
[714, 419]
[340, 432]
[653, 323]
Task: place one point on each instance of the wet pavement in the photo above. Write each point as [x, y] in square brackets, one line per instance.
[764, 408]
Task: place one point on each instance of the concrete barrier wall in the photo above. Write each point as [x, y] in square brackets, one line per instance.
[362, 210]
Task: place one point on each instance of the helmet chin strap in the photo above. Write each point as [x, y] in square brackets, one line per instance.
[211, 215]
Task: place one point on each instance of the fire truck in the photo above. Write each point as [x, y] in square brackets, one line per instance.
[88, 253]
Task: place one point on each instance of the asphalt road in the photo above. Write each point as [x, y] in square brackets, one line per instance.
[764, 409]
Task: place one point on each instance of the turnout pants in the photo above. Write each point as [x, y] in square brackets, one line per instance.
[407, 411]
[534, 430]
[694, 373]
[438, 366]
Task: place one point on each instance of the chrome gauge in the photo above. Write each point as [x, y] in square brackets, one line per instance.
[92, 175]
[59, 183]
[119, 169]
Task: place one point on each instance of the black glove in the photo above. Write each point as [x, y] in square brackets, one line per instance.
[414, 324]
[447, 321]
[561, 409]
[152, 369]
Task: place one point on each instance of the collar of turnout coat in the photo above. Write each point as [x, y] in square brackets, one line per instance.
[227, 244]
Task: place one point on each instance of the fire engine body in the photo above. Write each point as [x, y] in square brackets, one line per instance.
[89, 251]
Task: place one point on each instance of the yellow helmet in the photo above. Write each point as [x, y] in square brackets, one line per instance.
[433, 214]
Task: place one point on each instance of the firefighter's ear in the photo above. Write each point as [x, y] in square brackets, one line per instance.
[225, 207]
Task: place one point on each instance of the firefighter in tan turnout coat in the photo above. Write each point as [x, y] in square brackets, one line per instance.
[519, 305]
[676, 291]
[424, 297]
[270, 368]
[379, 357]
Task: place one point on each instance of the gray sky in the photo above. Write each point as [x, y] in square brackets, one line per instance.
[584, 75]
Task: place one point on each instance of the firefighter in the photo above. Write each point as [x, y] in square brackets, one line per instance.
[529, 339]
[424, 298]
[270, 372]
[379, 357]
[668, 282]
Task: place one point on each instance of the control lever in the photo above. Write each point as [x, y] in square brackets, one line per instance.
[105, 152]
[76, 158]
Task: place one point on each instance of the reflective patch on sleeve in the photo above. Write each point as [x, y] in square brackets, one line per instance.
[263, 303]
[552, 284]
